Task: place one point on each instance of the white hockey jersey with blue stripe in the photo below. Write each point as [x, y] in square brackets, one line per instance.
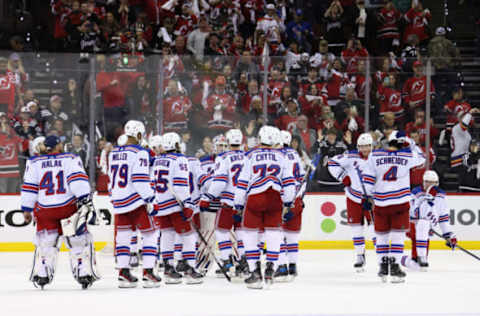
[265, 168]
[387, 175]
[195, 175]
[294, 162]
[53, 181]
[419, 207]
[169, 172]
[129, 176]
[225, 176]
[349, 164]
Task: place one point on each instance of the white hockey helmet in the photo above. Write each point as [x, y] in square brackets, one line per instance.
[170, 141]
[430, 176]
[219, 143]
[234, 137]
[286, 138]
[155, 142]
[133, 128]
[122, 140]
[365, 139]
[36, 143]
[268, 135]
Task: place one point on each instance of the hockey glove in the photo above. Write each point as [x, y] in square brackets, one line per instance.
[187, 214]
[237, 218]
[451, 240]
[346, 181]
[204, 205]
[367, 205]
[85, 206]
[287, 214]
[152, 209]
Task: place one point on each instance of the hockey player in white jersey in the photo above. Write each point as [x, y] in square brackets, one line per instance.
[265, 186]
[174, 208]
[387, 179]
[428, 209]
[228, 168]
[56, 190]
[131, 196]
[292, 221]
[348, 169]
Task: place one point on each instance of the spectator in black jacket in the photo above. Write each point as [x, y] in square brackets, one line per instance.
[470, 175]
[327, 148]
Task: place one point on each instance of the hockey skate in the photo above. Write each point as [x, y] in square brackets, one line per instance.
[241, 269]
[171, 276]
[383, 272]
[126, 279]
[254, 281]
[292, 271]
[396, 274]
[160, 266]
[359, 265]
[86, 281]
[281, 275]
[422, 262]
[150, 279]
[269, 271]
[39, 281]
[192, 276]
[227, 267]
[182, 266]
[134, 260]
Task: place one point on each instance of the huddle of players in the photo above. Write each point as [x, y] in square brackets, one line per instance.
[160, 192]
[377, 188]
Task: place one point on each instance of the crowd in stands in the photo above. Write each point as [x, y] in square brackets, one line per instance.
[201, 67]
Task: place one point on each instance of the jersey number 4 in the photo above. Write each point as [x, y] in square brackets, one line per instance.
[391, 174]
[48, 184]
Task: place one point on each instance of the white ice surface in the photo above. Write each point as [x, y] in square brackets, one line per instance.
[327, 285]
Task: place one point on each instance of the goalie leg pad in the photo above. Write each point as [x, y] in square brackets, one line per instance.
[83, 260]
[45, 255]
[204, 259]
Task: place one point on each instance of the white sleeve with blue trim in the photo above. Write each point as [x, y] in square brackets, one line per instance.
[242, 185]
[442, 211]
[141, 176]
[180, 181]
[29, 193]
[219, 180]
[369, 176]
[77, 178]
[337, 165]
[288, 184]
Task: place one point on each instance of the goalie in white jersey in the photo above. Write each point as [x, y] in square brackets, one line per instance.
[264, 186]
[131, 196]
[174, 208]
[387, 179]
[427, 210]
[57, 191]
[348, 169]
[225, 177]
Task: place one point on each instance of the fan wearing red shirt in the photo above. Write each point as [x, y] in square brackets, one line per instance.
[417, 21]
[390, 98]
[353, 53]
[7, 89]
[457, 107]
[312, 79]
[337, 83]
[287, 120]
[415, 88]
[175, 109]
[420, 126]
[221, 108]
[246, 100]
[416, 174]
[275, 87]
[186, 22]
[353, 123]
[387, 28]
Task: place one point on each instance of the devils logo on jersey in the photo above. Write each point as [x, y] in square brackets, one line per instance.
[7, 152]
[418, 87]
[395, 99]
[5, 83]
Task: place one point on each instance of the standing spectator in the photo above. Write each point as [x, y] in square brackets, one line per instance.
[312, 79]
[388, 34]
[337, 83]
[323, 59]
[334, 32]
[246, 100]
[272, 26]
[353, 54]
[417, 22]
[300, 31]
[353, 123]
[176, 108]
[141, 102]
[307, 135]
[60, 10]
[390, 99]
[247, 64]
[410, 53]
[54, 112]
[351, 99]
[221, 108]
[256, 111]
[420, 125]
[457, 107]
[327, 147]
[197, 38]
[72, 104]
[186, 22]
[27, 127]
[460, 141]
[445, 57]
[416, 174]
[311, 104]
[109, 27]
[58, 129]
[470, 177]
[415, 89]
[19, 76]
[10, 145]
[80, 149]
[7, 89]
[362, 22]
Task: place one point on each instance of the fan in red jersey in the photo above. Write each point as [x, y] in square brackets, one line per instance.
[175, 108]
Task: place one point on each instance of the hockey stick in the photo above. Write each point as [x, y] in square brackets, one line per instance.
[456, 246]
[200, 235]
[364, 190]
